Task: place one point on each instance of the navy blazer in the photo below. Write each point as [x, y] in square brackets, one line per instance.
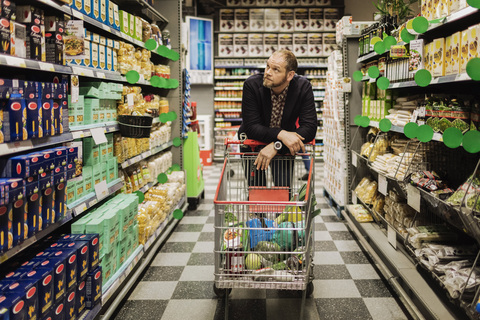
[257, 110]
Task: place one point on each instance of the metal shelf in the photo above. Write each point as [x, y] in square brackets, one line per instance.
[227, 88]
[435, 81]
[85, 131]
[227, 119]
[228, 110]
[370, 56]
[460, 14]
[231, 77]
[436, 136]
[146, 154]
[26, 145]
[227, 99]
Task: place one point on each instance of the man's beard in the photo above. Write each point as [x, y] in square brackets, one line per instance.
[270, 84]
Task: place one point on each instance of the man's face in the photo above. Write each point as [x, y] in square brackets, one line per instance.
[275, 72]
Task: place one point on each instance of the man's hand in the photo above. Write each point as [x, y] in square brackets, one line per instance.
[292, 140]
[265, 156]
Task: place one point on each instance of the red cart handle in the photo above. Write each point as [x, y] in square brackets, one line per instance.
[255, 143]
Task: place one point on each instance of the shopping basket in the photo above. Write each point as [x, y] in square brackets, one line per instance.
[135, 126]
[263, 224]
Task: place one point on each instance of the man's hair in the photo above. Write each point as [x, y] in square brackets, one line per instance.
[290, 59]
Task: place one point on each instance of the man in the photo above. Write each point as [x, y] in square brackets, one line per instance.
[271, 104]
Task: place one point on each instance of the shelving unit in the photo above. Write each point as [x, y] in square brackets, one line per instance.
[421, 288]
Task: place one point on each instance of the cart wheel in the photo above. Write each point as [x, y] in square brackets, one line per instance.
[221, 292]
[309, 289]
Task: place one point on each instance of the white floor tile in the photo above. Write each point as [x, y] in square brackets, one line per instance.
[190, 309]
[208, 227]
[184, 237]
[384, 308]
[153, 290]
[198, 273]
[335, 289]
[171, 259]
[322, 236]
[203, 246]
[194, 220]
[327, 257]
[336, 226]
[347, 245]
[362, 271]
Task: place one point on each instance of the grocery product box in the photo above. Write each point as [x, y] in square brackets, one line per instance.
[329, 43]
[240, 44]
[27, 289]
[33, 205]
[110, 225]
[8, 10]
[111, 15]
[300, 44]
[308, 3]
[93, 248]
[315, 19]
[91, 151]
[70, 304]
[47, 203]
[285, 41]
[103, 11]
[54, 41]
[465, 46]
[286, 20]
[301, 19]
[57, 264]
[116, 17]
[272, 20]
[473, 48]
[18, 39]
[448, 55]
[257, 19]
[58, 310]
[93, 293]
[131, 25]
[12, 306]
[456, 51]
[438, 66]
[80, 187]
[270, 43]
[80, 297]
[45, 282]
[104, 171]
[71, 191]
[70, 256]
[416, 58]
[112, 170]
[97, 174]
[315, 44]
[227, 19]
[109, 59]
[242, 21]
[95, 10]
[255, 44]
[330, 17]
[82, 257]
[121, 252]
[94, 55]
[102, 57]
[225, 45]
[110, 145]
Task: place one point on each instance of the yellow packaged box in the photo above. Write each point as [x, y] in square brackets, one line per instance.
[439, 57]
[473, 33]
[464, 45]
[455, 55]
[448, 55]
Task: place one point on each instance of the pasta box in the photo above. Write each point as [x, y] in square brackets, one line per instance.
[93, 248]
[60, 198]
[70, 307]
[12, 277]
[29, 291]
[60, 156]
[58, 311]
[48, 159]
[93, 293]
[47, 205]
[5, 35]
[80, 297]
[44, 279]
[12, 189]
[18, 38]
[33, 205]
[12, 306]
[58, 265]
[82, 257]
[26, 166]
[70, 256]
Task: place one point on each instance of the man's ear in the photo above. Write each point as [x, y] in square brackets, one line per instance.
[290, 75]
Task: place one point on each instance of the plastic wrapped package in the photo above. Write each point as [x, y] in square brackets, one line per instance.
[366, 149]
[177, 176]
[379, 148]
[456, 281]
[146, 30]
[370, 192]
[360, 213]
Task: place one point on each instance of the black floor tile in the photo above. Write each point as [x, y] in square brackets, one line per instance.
[331, 219]
[342, 235]
[342, 309]
[242, 309]
[320, 226]
[171, 273]
[354, 257]
[201, 259]
[284, 294]
[210, 220]
[331, 272]
[178, 247]
[322, 206]
[189, 228]
[194, 290]
[142, 310]
[372, 288]
[325, 246]
[197, 213]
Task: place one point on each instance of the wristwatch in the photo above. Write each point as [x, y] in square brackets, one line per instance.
[277, 145]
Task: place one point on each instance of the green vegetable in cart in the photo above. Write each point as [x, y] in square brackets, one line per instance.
[270, 247]
[253, 261]
[279, 266]
[473, 202]
[444, 124]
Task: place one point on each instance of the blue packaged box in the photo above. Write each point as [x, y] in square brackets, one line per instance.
[31, 89]
[71, 173]
[82, 255]
[33, 118]
[46, 123]
[25, 166]
[5, 88]
[46, 211]
[27, 287]
[45, 180]
[17, 219]
[93, 248]
[93, 294]
[17, 118]
[57, 115]
[48, 159]
[58, 265]
[12, 189]
[60, 199]
[72, 156]
[4, 231]
[44, 278]
[58, 311]
[60, 156]
[12, 306]
[47, 316]
[70, 307]
[14, 275]
[33, 205]
[70, 256]
[80, 297]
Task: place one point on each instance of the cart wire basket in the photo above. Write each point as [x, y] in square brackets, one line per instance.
[264, 224]
[135, 126]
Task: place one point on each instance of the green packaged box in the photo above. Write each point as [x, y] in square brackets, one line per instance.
[80, 187]
[90, 92]
[124, 21]
[106, 272]
[104, 171]
[110, 145]
[87, 178]
[135, 236]
[131, 25]
[91, 153]
[79, 226]
[76, 110]
[92, 105]
[123, 219]
[110, 227]
[71, 191]
[112, 170]
[103, 152]
[95, 225]
[97, 174]
[122, 247]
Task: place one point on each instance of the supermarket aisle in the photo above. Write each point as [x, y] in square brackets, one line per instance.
[179, 282]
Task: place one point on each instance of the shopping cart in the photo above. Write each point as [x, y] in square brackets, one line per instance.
[263, 223]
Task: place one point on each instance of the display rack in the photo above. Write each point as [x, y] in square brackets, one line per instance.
[146, 154]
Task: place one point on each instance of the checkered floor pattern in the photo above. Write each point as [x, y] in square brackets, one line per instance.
[179, 282]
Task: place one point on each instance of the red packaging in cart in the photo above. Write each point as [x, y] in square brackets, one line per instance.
[44, 279]
[93, 292]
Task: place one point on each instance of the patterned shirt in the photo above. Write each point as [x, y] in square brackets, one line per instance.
[278, 103]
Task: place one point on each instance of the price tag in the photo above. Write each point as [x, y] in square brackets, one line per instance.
[413, 197]
[354, 159]
[77, 14]
[92, 203]
[46, 66]
[14, 61]
[130, 97]
[101, 75]
[98, 135]
[382, 184]
[105, 27]
[396, 85]
[101, 190]
[78, 210]
[354, 197]
[392, 236]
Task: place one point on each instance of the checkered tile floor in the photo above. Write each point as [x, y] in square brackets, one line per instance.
[179, 282]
